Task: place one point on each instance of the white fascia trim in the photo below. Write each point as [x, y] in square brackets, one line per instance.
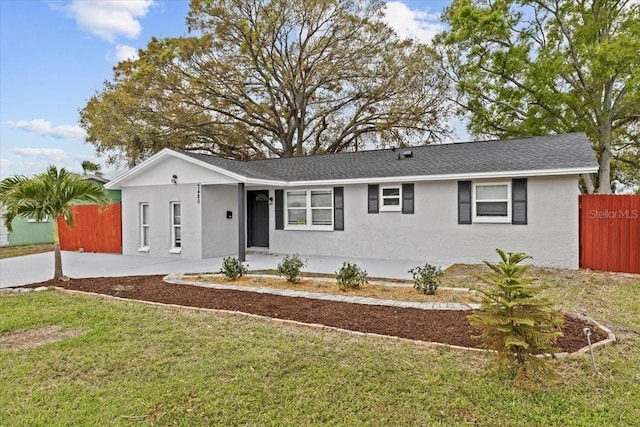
[116, 183]
[268, 182]
[448, 177]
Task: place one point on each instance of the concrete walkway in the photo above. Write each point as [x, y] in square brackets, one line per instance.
[39, 267]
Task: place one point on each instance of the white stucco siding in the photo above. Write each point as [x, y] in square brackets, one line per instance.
[219, 233]
[433, 234]
[162, 171]
[159, 198]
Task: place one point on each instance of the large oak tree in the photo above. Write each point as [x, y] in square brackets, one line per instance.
[281, 78]
[531, 67]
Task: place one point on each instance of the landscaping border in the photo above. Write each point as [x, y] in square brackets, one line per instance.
[426, 344]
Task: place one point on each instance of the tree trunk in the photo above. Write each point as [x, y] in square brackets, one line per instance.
[605, 134]
[604, 177]
[57, 273]
[588, 183]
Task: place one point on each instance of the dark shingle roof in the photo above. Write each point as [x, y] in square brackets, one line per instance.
[567, 151]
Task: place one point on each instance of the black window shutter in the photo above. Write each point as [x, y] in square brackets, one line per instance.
[338, 208]
[519, 201]
[279, 209]
[464, 202]
[374, 189]
[407, 198]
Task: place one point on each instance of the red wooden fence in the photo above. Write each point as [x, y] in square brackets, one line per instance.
[610, 232]
[94, 230]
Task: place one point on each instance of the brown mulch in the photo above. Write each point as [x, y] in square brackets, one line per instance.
[443, 326]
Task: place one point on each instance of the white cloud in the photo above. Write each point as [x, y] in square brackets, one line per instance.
[108, 19]
[4, 163]
[44, 127]
[123, 53]
[53, 154]
[416, 24]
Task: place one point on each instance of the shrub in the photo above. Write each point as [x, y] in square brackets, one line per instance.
[426, 279]
[290, 267]
[232, 268]
[350, 276]
[516, 322]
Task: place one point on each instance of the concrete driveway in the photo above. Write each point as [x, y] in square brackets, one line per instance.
[39, 267]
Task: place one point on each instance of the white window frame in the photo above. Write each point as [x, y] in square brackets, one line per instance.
[143, 226]
[390, 208]
[33, 219]
[175, 249]
[308, 225]
[491, 219]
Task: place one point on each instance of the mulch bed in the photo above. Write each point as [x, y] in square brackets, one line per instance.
[442, 326]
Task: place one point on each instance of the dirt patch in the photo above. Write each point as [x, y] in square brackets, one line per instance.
[442, 326]
[35, 337]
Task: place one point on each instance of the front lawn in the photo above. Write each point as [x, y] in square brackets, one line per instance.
[20, 250]
[132, 364]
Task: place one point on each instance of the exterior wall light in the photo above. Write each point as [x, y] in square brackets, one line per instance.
[174, 179]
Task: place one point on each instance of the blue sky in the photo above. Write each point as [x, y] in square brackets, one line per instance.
[54, 55]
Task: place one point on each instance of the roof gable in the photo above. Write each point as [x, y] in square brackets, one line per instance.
[161, 167]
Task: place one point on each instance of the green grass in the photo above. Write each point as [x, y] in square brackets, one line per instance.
[612, 298]
[138, 365]
[13, 251]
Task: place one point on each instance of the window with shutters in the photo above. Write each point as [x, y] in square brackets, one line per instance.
[309, 209]
[391, 198]
[492, 202]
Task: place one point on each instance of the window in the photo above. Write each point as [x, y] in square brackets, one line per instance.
[176, 228]
[312, 209]
[32, 218]
[391, 197]
[492, 202]
[144, 227]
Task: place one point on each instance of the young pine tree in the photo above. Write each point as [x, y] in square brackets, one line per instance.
[516, 322]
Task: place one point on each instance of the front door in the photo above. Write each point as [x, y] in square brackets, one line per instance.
[258, 218]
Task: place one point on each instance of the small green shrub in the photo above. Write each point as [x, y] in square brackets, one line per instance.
[232, 268]
[516, 322]
[290, 267]
[426, 279]
[350, 276]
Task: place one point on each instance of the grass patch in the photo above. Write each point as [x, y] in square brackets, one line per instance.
[612, 298]
[13, 251]
[138, 365]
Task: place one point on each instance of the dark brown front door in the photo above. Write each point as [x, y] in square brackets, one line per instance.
[258, 218]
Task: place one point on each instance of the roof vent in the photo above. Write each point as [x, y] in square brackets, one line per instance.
[405, 154]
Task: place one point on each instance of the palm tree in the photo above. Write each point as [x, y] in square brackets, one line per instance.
[49, 194]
